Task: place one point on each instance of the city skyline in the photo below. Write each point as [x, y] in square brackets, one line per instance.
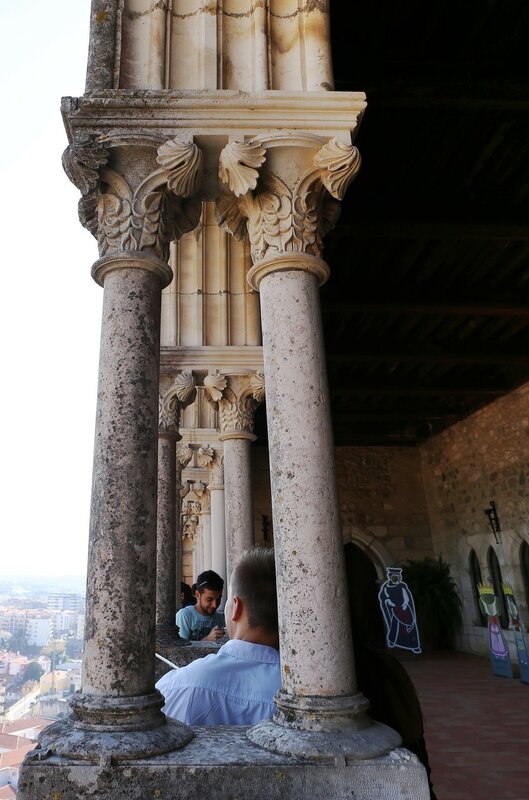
[51, 306]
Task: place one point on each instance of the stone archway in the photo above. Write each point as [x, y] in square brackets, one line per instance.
[363, 581]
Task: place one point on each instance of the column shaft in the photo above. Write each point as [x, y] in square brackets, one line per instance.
[119, 633]
[238, 496]
[218, 531]
[315, 633]
[168, 529]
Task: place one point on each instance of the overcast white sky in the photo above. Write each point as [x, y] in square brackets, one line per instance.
[51, 308]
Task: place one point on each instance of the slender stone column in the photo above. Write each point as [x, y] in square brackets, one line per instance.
[236, 395]
[127, 202]
[319, 712]
[205, 517]
[218, 517]
[168, 566]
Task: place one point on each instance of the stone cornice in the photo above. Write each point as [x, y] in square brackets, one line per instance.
[225, 113]
[207, 357]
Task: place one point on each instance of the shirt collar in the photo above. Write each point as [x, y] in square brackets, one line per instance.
[249, 651]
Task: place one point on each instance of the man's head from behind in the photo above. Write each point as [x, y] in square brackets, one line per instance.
[208, 592]
[251, 610]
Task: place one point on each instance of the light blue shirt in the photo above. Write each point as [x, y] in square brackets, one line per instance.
[195, 626]
[235, 686]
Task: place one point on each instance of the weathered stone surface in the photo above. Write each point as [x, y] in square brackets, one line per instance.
[221, 763]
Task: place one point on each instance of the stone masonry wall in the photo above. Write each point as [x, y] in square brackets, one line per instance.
[381, 499]
[482, 458]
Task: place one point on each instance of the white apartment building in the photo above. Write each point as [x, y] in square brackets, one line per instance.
[65, 601]
[39, 630]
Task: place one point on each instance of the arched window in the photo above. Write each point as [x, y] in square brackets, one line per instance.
[475, 579]
[524, 566]
[495, 574]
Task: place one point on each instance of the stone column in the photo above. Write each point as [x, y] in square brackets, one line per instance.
[287, 205]
[205, 520]
[127, 203]
[218, 517]
[182, 392]
[236, 396]
[213, 459]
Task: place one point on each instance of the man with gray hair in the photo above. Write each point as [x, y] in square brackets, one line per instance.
[235, 686]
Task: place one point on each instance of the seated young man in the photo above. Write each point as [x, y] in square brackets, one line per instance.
[236, 686]
[202, 621]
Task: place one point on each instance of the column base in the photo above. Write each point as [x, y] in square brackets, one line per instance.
[62, 738]
[373, 741]
[323, 728]
[106, 728]
[220, 763]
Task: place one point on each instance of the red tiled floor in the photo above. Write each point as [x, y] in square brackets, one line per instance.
[476, 726]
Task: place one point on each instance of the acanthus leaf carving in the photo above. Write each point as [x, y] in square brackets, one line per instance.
[217, 469]
[205, 455]
[239, 165]
[230, 217]
[281, 219]
[185, 388]
[184, 163]
[257, 383]
[133, 220]
[237, 414]
[214, 386]
[339, 164]
[81, 163]
[184, 454]
[181, 394]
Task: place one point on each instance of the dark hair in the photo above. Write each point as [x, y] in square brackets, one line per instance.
[208, 580]
[254, 580]
[188, 596]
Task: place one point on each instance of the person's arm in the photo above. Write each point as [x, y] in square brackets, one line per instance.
[183, 623]
[214, 634]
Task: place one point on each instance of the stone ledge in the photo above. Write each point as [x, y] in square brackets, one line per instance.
[221, 764]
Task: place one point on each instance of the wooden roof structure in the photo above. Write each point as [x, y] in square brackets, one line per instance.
[426, 313]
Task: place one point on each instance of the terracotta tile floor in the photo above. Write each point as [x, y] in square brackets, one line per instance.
[476, 727]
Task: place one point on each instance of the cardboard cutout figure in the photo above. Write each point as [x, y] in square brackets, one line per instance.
[519, 638]
[398, 609]
[499, 653]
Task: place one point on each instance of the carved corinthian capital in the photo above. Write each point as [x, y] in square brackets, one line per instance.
[285, 199]
[179, 395]
[235, 396]
[134, 198]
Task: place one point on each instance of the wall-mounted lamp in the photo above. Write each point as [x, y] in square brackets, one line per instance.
[494, 521]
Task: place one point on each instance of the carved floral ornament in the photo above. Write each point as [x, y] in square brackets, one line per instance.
[181, 394]
[281, 216]
[235, 397]
[143, 217]
[184, 454]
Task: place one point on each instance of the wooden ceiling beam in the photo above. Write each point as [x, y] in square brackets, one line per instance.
[383, 355]
[418, 391]
[484, 231]
[475, 309]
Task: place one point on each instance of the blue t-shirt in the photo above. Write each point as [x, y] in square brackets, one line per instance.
[236, 686]
[194, 625]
